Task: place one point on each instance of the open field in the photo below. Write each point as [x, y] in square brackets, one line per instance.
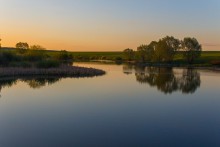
[206, 58]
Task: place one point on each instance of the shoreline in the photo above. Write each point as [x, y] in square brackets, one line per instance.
[63, 71]
[198, 66]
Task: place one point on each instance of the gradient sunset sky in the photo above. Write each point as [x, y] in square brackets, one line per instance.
[107, 25]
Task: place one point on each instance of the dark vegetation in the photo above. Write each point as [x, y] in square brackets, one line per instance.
[33, 56]
[166, 79]
[62, 71]
[36, 61]
[169, 51]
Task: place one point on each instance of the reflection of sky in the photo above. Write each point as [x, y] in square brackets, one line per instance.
[107, 25]
[110, 107]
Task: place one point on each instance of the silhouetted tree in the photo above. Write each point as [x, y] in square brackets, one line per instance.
[65, 57]
[22, 47]
[145, 53]
[37, 47]
[161, 52]
[35, 53]
[129, 54]
[166, 49]
[173, 46]
[192, 49]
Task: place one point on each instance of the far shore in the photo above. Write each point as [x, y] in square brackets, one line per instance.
[198, 66]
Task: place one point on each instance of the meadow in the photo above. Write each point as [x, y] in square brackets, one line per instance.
[207, 58]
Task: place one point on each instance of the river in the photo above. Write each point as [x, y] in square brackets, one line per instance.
[129, 106]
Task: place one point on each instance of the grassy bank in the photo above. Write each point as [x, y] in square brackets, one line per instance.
[40, 62]
[208, 58]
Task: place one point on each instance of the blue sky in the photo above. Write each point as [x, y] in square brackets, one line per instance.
[108, 25]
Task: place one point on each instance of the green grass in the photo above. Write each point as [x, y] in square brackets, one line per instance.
[206, 58]
[97, 55]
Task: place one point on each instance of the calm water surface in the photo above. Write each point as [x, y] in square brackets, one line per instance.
[129, 106]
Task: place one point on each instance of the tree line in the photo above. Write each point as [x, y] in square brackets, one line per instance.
[164, 50]
[33, 56]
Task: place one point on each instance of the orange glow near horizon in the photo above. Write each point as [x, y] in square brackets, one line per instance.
[85, 44]
[106, 25]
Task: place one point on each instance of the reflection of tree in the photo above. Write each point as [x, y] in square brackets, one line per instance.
[127, 69]
[145, 75]
[40, 82]
[163, 78]
[190, 81]
[7, 83]
[166, 81]
[32, 82]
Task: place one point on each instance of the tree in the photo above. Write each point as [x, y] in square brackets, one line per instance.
[65, 57]
[36, 53]
[161, 51]
[145, 53]
[173, 46]
[37, 47]
[153, 45]
[22, 47]
[129, 54]
[192, 49]
[166, 49]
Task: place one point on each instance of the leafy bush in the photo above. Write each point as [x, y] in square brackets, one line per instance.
[20, 64]
[35, 55]
[64, 56]
[118, 59]
[6, 57]
[48, 64]
[26, 64]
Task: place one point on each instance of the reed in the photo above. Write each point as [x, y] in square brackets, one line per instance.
[62, 71]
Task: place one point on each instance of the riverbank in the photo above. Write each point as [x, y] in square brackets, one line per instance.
[62, 71]
[206, 56]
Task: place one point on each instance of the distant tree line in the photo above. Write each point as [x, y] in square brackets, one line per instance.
[34, 55]
[164, 50]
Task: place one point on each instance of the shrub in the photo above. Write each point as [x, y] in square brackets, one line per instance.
[48, 64]
[118, 59]
[6, 57]
[20, 64]
[35, 55]
[26, 64]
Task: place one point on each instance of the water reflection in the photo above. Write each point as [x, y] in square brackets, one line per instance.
[33, 82]
[40, 82]
[127, 69]
[165, 79]
[190, 81]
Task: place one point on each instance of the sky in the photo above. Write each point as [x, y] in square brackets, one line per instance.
[107, 25]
